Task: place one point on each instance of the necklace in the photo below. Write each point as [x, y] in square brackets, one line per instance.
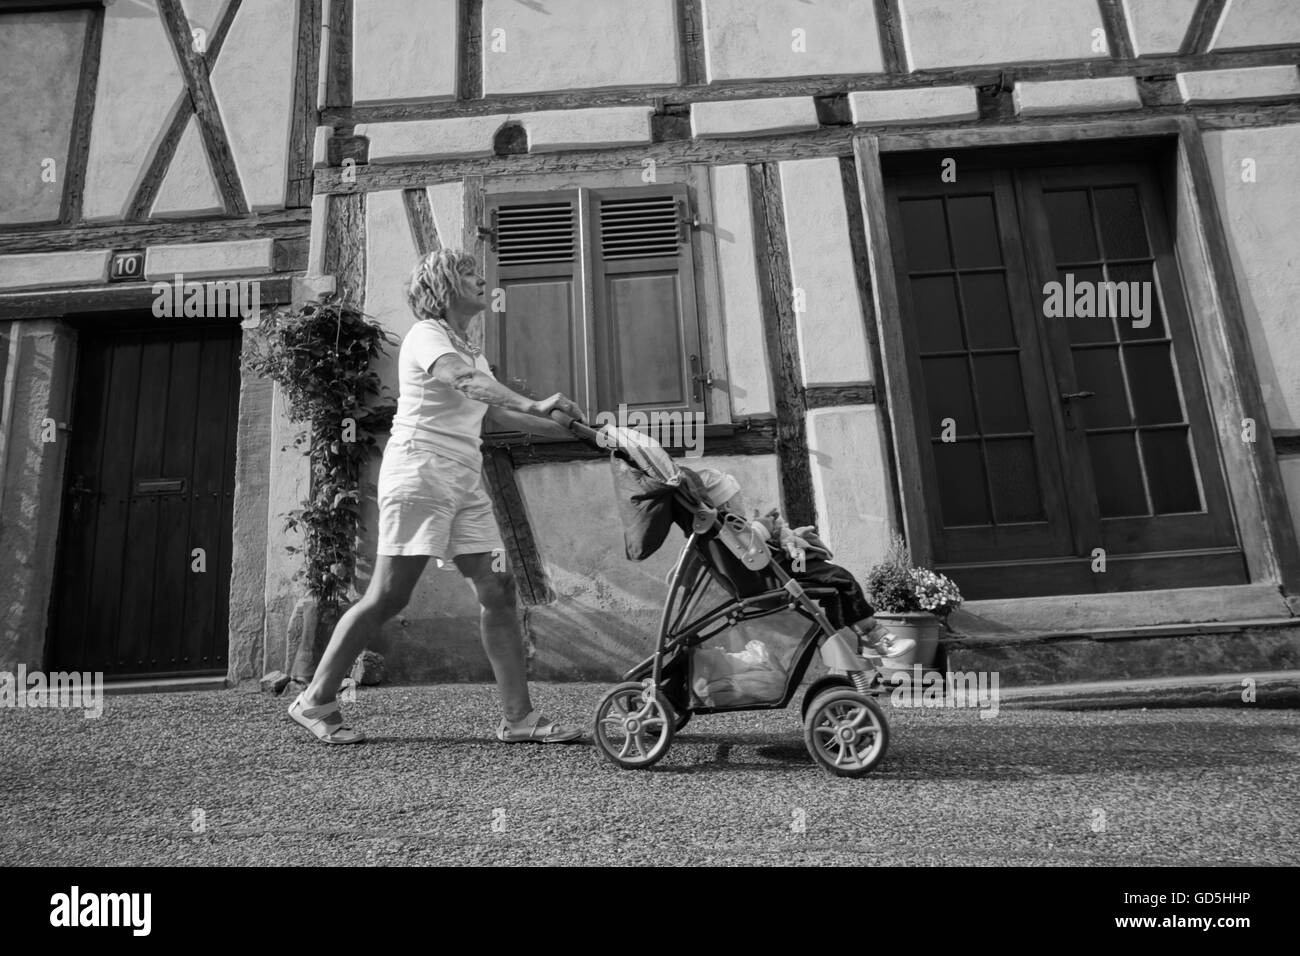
[458, 340]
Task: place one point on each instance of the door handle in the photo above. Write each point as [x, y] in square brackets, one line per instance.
[77, 491]
[1067, 409]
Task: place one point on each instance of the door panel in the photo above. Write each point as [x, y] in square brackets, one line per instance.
[150, 478]
[537, 343]
[992, 470]
[1144, 440]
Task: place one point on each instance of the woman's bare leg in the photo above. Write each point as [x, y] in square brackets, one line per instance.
[389, 591]
[502, 637]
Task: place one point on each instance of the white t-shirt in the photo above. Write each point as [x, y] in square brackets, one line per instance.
[430, 411]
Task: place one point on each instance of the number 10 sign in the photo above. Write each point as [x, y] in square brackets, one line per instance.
[126, 267]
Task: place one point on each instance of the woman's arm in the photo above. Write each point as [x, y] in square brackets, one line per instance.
[454, 371]
[508, 420]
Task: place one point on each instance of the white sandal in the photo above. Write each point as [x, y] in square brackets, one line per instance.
[537, 729]
[325, 722]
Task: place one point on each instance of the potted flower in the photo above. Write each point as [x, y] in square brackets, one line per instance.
[911, 601]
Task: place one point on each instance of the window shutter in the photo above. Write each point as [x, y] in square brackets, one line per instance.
[534, 260]
[647, 340]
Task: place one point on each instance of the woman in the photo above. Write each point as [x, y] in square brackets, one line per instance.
[432, 502]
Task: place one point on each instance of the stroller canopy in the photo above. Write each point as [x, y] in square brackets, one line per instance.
[649, 506]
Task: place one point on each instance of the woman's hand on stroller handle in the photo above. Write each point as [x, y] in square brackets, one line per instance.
[559, 402]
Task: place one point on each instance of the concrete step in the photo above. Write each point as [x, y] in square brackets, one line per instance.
[1271, 689]
[1241, 648]
[164, 685]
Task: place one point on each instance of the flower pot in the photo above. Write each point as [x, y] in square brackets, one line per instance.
[921, 627]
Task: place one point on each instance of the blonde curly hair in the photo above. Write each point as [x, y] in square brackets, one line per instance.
[436, 278]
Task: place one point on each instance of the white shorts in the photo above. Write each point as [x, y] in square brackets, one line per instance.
[434, 505]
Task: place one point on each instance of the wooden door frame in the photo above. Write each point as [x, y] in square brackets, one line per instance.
[1200, 240]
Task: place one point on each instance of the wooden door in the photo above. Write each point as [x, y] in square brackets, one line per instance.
[993, 477]
[1073, 443]
[1146, 481]
[142, 586]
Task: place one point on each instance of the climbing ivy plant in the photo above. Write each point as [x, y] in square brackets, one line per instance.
[320, 355]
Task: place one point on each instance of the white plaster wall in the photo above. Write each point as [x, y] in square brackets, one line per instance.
[925, 104]
[390, 256]
[189, 188]
[40, 56]
[203, 14]
[938, 33]
[607, 607]
[448, 202]
[1055, 97]
[195, 259]
[1158, 26]
[1260, 218]
[463, 137]
[765, 117]
[39, 270]
[830, 323]
[403, 50]
[777, 38]
[554, 130]
[253, 85]
[543, 45]
[1257, 23]
[139, 82]
[1240, 84]
[748, 379]
[851, 487]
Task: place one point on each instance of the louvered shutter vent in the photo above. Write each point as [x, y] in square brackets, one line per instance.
[528, 235]
[639, 227]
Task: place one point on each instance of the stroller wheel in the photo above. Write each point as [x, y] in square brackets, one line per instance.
[634, 725]
[845, 732]
[681, 721]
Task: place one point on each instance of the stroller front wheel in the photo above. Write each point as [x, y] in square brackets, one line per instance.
[845, 732]
[634, 725]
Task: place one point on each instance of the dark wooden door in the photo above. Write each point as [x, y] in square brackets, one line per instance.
[144, 554]
[1098, 446]
[993, 481]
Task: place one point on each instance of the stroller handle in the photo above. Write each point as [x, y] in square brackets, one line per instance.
[580, 430]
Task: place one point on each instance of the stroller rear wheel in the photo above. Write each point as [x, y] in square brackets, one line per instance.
[634, 725]
[846, 732]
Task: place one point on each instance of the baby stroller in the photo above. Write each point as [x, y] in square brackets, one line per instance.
[737, 632]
